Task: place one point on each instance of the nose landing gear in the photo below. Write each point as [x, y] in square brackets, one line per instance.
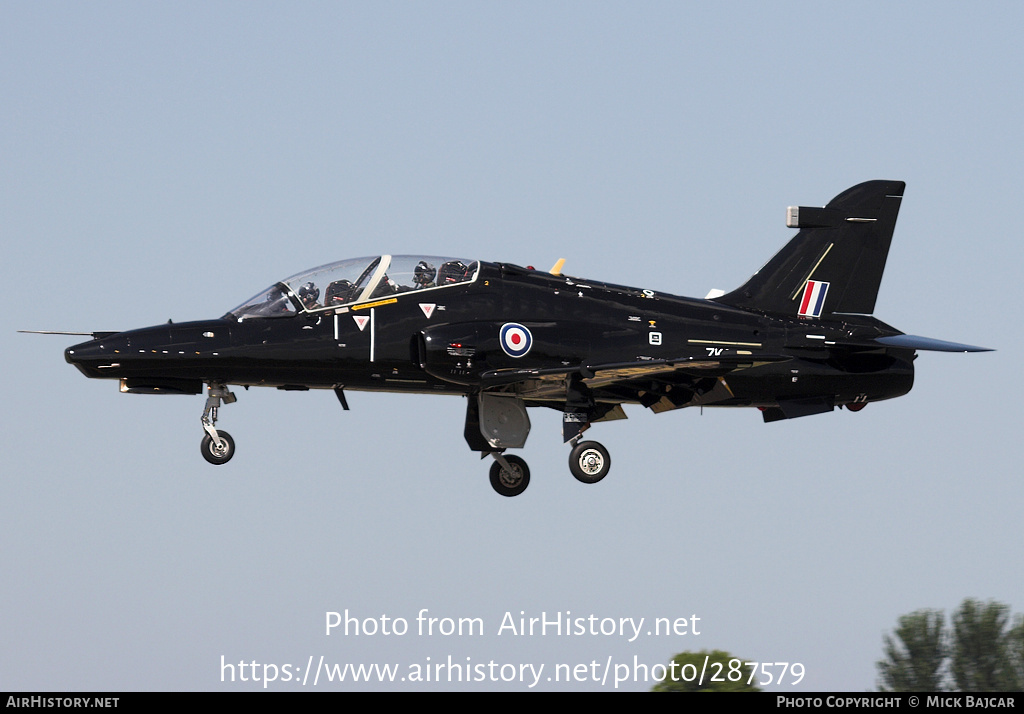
[218, 452]
[217, 447]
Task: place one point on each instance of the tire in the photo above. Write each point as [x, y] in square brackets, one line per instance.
[589, 462]
[510, 483]
[218, 456]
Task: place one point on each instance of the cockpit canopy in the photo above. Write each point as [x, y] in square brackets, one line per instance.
[355, 280]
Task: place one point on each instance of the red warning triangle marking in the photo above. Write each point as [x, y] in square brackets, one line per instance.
[361, 321]
[428, 308]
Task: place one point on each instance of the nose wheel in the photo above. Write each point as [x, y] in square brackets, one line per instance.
[218, 447]
[218, 452]
[589, 461]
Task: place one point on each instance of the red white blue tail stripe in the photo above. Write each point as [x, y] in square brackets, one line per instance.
[813, 301]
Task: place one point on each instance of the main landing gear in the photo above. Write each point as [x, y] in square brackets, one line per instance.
[589, 462]
[509, 475]
[498, 421]
[218, 447]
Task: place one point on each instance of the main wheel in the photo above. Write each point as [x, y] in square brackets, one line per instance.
[510, 482]
[218, 454]
[589, 462]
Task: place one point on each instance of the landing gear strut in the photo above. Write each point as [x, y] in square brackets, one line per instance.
[509, 475]
[218, 447]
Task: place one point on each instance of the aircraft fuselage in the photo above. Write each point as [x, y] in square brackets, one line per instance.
[399, 343]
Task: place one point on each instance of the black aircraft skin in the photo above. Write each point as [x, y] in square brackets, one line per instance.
[796, 339]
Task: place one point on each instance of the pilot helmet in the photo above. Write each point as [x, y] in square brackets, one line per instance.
[454, 271]
[424, 274]
[309, 294]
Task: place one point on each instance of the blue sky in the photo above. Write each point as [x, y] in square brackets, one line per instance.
[168, 161]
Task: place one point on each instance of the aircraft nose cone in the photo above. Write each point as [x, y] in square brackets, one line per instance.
[93, 355]
[91, 349]
[77, 354]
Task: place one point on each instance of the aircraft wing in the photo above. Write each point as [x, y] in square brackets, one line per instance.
[601, 375]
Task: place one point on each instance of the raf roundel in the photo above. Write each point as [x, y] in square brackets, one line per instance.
[516, 340]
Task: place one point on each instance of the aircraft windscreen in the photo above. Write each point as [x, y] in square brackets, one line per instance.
[272, 302]
[343, 281]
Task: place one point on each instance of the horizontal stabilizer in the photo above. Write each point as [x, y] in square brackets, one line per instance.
[914, 342]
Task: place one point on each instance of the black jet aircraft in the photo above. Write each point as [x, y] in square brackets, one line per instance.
[796, 339]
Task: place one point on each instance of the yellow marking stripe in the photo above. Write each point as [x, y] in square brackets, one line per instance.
[375, 304]
[804, 283]
[720, 342]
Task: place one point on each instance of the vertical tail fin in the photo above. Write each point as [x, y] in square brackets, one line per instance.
[835, 263]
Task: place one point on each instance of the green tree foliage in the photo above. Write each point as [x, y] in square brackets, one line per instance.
[915, 655]
[722, 673]
[978, 653]
[979, 657]
[1015, 653]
